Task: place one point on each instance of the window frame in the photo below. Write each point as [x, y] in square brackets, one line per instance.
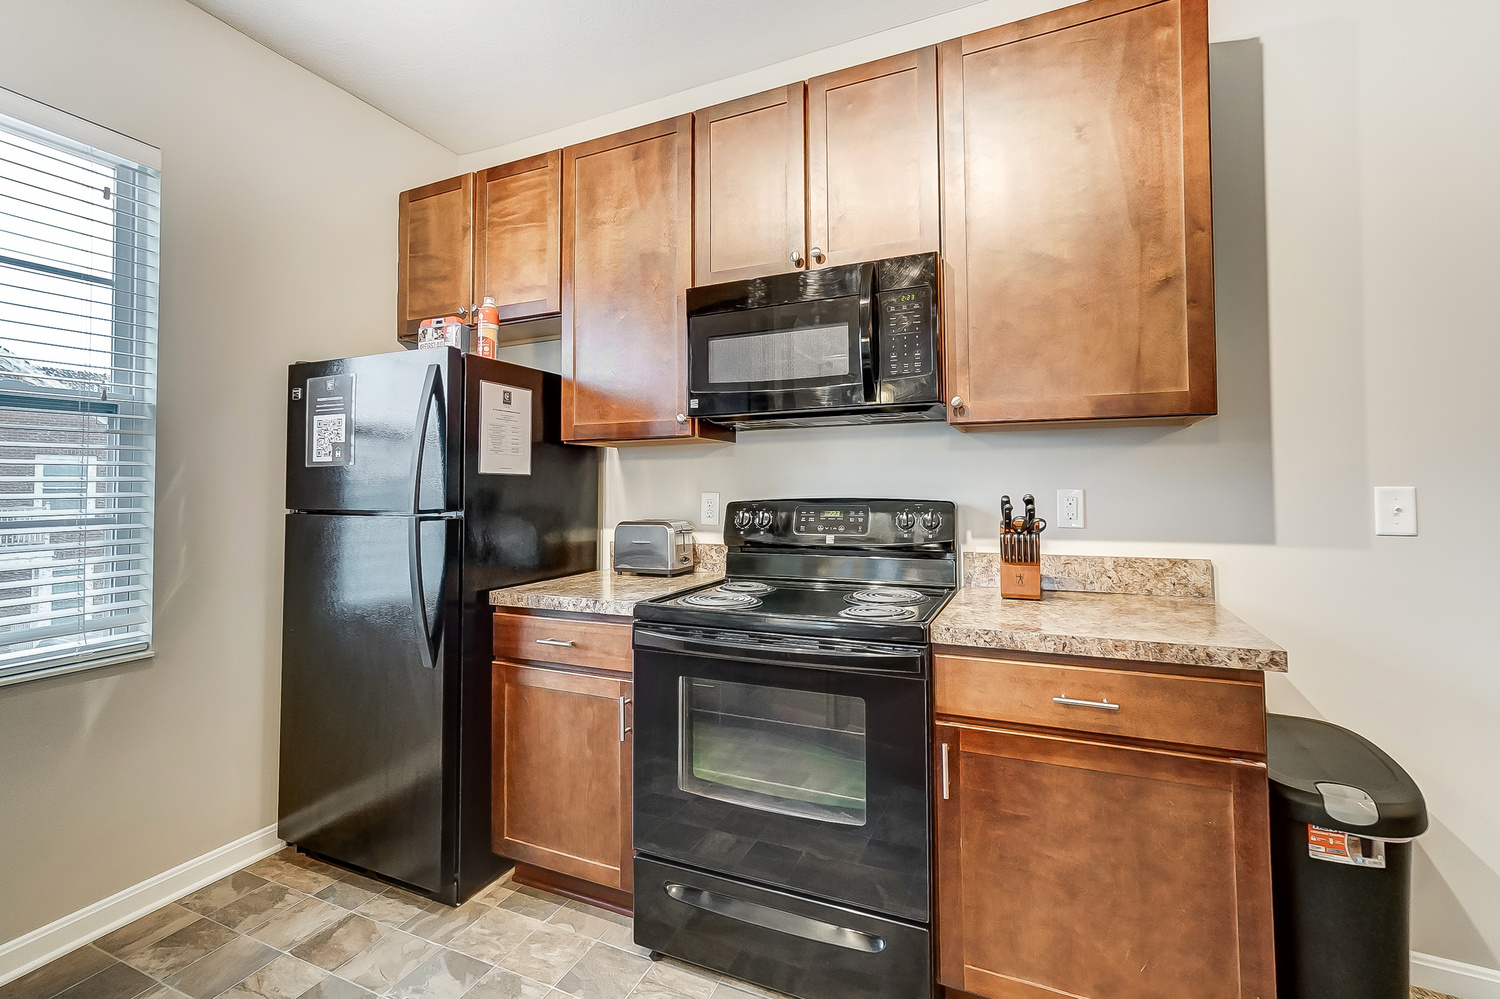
[128, 416]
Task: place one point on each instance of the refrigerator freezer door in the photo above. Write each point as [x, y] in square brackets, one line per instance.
[372, 434]
[368, 693]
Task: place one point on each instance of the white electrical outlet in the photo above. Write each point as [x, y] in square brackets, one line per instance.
[1070, 508]
[1396, 510]
[708, 510]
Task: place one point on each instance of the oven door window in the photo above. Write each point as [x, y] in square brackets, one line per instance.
[794, 752]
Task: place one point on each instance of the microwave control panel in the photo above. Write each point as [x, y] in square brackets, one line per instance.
[907, 340]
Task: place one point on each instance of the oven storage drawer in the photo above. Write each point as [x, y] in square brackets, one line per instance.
[776, 939]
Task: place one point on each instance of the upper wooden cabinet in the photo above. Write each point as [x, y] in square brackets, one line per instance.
[627, 205]
[751, 216]
[1077, 233]
[872, 161]
[518, 235]
[435, 273]
[841, 169]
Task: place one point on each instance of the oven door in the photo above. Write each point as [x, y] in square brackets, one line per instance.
[796, 357]
[789, 765]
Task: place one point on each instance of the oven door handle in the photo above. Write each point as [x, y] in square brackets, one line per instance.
[791, 923]
[875, 659]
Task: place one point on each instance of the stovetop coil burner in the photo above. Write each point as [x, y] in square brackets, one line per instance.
[720, 600]
[878, 612]
[745, 586]
[886, 595]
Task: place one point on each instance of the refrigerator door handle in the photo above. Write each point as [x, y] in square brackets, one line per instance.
[432, 387]
[431, 630]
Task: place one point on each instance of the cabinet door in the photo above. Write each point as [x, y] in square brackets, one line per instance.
[518, 236]
[627, 262]
[748, 176]
[434, 272]
[562, 799]
[1076, 216]
[872, 161]
[1073, 868]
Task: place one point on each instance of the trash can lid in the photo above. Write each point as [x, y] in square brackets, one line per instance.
[1330, 776]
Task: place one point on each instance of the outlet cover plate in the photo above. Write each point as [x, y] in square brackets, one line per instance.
[708, 509]
[1070, 508]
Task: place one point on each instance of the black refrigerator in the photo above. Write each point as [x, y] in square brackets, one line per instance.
[416, 482]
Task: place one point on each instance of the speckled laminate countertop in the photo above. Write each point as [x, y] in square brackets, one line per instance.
[1187, 631]
[607, 593]
[1167, 613]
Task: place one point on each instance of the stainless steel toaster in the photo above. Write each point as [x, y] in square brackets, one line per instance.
[655, 547]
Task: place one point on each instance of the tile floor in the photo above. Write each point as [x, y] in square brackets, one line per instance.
[289, 927]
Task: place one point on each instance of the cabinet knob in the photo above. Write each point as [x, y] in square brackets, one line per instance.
[957, 402]
[796, 258]
[817, 255]
[463, 311]
[682, 418]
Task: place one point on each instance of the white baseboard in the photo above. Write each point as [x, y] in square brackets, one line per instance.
[1454, 978]
[23, 954]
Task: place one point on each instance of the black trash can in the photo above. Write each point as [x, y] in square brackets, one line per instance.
[1343, 815]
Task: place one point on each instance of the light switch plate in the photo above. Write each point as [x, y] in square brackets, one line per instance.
[708, 509]
[1070, 508]
[1396, 510]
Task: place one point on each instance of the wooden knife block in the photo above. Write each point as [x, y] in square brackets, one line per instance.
[1021, 580]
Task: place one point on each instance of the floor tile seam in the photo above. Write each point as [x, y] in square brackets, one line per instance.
[87, 978]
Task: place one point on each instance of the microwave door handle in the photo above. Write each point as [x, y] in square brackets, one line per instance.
[868, 317]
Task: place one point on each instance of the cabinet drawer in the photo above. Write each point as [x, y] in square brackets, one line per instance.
[1194, 711]
[569, 641]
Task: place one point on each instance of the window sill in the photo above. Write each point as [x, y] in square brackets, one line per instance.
[62, 669]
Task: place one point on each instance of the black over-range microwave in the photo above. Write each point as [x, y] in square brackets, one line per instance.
[835, 345]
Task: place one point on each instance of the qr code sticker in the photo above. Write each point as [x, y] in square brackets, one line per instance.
[327, 432]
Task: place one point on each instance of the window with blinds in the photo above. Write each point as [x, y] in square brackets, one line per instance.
[78, 293]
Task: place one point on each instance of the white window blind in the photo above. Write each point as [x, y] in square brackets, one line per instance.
[78, 298]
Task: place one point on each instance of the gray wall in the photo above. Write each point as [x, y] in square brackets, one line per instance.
[278, 243]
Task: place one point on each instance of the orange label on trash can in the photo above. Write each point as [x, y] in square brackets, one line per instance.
[1344, 848]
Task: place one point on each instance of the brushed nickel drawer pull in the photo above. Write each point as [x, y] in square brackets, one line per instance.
[1074, 702]
[555, 641]
[623, 727]
[945, 771]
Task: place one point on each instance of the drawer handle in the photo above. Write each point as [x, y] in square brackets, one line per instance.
[1074, 702]
[945, 771]
[555, 641]
[623, 727]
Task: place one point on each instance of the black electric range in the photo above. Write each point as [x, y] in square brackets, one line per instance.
[781, 807]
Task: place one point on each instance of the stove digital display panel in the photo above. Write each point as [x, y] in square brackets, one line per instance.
[845, 520]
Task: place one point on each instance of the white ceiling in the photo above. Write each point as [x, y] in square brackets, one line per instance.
[473, 74]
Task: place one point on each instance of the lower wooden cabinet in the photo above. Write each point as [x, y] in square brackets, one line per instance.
[1067, 866]
[563, 775]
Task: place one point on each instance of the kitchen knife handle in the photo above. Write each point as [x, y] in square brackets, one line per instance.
[1074, 702]
[623, 727]
[945, 771]
[561, 643]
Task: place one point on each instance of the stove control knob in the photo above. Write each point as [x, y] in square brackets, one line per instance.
[743, 517]
[763, 519]
[932, 520]
[906, 520]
